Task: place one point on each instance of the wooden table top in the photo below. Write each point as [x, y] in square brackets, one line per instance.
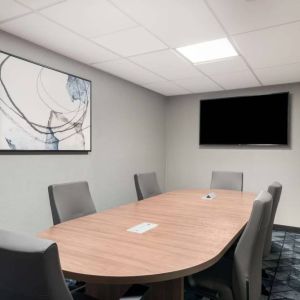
[192, 235]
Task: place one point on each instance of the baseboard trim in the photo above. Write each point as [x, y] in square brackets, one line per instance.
[286, 228]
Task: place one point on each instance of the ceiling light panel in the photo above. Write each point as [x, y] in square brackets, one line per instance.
[131, 42]
[175, 22]
[90, 18]
[208, 51]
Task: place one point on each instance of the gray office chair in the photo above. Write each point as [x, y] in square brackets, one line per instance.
[146, 185]
[275, 190]
[30, 270]
[227, 180]
[70, 201]
[240, 278]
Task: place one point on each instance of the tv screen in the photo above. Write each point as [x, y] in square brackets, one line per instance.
[250, 120]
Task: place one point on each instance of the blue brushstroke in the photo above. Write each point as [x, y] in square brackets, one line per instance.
[10, 144]
[51, 140]
[78, 89]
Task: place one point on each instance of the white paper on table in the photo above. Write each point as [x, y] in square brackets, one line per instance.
[143, 227]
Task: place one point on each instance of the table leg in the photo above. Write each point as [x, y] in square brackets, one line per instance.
[106, 291]
[166, 290]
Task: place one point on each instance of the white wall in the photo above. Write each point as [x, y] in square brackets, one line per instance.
[128, 128]
[188, 166]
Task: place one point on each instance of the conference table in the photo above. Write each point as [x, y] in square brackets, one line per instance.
[109, 253]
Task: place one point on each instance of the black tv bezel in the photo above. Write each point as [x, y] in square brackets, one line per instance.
[229, 145]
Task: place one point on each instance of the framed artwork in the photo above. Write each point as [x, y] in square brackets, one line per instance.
[42, 109]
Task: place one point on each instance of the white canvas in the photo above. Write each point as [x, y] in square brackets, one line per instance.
[41, 108]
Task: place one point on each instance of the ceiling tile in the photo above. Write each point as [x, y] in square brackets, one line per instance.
[279, 74]
[167, 88]
[10, 9]
[198, 84]
[269, 47]
[131, 42]
[234, 64]
[40, 31]
[236, 80]
[90, 18]
[129, 71]
[37, 4]
[241, 16]
[176, 22]
[166, 63]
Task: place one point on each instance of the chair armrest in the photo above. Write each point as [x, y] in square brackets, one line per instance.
[135, 292]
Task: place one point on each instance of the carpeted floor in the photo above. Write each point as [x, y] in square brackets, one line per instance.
[282, 267]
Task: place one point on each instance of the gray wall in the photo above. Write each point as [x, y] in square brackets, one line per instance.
[188, 166]
[128, 125]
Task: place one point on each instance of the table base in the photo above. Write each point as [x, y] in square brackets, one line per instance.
[164, 290]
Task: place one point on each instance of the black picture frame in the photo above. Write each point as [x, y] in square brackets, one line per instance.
[46, 151]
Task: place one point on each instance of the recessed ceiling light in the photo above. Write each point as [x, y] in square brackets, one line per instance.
[208, 51]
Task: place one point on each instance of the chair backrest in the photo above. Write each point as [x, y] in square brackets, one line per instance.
[275, 190]
[146, 185]
[246, 277]
[30, 269]
[227, 180]
[70, 201]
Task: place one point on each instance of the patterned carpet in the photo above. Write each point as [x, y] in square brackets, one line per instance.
[282, 267]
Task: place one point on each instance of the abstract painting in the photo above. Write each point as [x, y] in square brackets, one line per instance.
[42, 109]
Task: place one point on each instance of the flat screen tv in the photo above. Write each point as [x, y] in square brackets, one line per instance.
[249, 120]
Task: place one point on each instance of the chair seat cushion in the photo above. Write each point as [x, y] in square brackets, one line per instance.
[217, 278]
